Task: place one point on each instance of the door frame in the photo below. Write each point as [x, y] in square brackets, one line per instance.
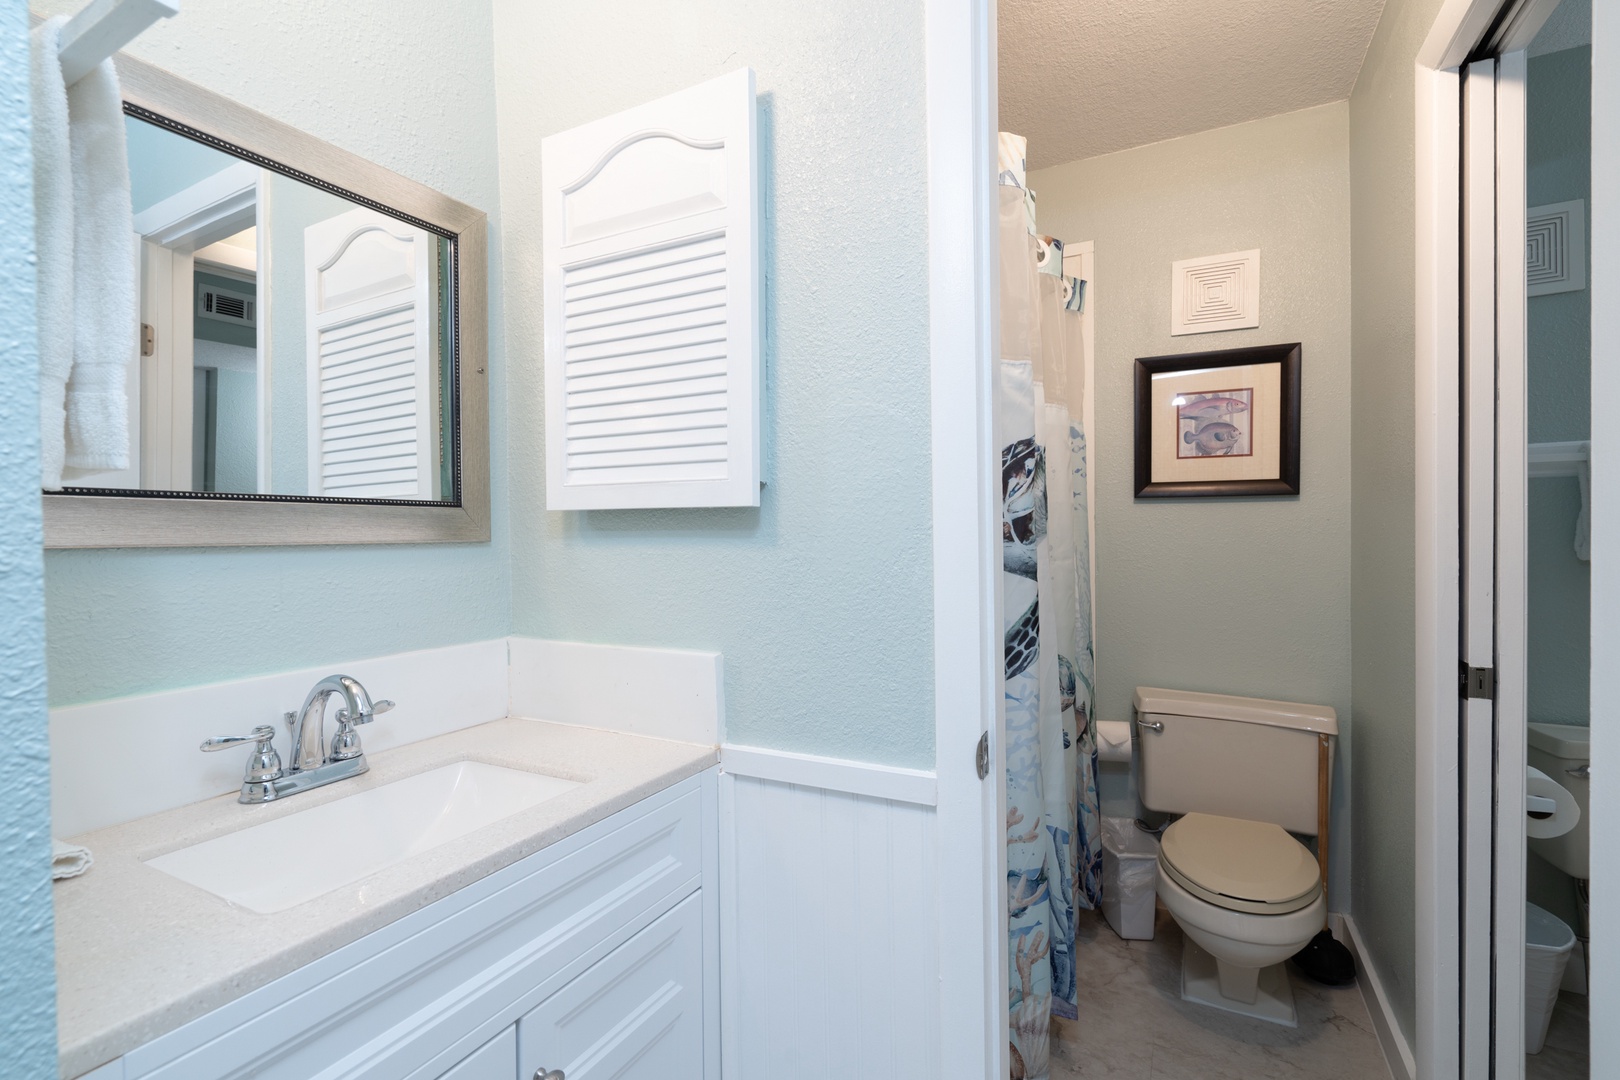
[972, 899]
[1461, 30]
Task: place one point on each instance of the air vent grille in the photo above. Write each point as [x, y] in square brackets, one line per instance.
[645, 369]
[226, 306]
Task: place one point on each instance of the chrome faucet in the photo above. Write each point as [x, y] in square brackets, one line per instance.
[313, 764]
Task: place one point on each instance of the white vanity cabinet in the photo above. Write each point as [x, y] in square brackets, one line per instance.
[495, 1060]
[594, 956]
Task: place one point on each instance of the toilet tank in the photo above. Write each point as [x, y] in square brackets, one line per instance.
[1232, 756]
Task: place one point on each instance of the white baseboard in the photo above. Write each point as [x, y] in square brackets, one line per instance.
[1397, 1051]
[663, 693]
[115, 761]
[831, 774]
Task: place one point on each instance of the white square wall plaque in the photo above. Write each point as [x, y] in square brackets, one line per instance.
[1215, 292]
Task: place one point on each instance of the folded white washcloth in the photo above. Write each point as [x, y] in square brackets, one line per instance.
[105, 301]
[53, 225]
[68, 860]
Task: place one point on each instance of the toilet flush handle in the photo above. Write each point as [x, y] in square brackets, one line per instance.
[1580, 772]
[1152, 725]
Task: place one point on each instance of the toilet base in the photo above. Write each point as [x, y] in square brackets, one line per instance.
[1201, 983]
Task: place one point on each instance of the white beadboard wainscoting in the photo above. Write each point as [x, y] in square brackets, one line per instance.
[828, 934]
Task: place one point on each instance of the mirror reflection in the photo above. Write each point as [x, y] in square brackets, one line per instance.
[292, 342]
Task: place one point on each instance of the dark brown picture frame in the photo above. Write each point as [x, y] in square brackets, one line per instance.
[1287, 357]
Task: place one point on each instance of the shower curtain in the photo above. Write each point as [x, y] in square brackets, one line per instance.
[1054, 839]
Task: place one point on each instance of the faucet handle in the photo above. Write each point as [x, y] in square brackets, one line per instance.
[377, 708]
[346, 743]
[264, 764]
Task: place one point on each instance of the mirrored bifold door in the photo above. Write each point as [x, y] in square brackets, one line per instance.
[1493, 589]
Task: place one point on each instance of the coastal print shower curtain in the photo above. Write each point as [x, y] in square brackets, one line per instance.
[1054, 837]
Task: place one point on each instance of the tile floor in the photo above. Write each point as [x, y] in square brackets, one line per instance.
[1564, 1055]
[1134, 1025]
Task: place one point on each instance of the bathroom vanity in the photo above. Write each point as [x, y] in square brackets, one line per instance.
[574, 938]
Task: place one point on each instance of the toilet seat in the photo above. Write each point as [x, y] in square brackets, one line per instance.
[1240, 865]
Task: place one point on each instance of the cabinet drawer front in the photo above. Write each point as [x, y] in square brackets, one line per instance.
[638, 1015]
[495, 1060]
[413, 1005]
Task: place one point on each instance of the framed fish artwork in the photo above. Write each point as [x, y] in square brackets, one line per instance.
[1220, 423]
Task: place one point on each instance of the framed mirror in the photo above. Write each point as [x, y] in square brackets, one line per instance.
[311, 360]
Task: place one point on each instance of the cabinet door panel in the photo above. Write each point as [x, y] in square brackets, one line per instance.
[495, 1060]
[637, 1015]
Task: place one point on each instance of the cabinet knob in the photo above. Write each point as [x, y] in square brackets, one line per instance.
[542, 1074]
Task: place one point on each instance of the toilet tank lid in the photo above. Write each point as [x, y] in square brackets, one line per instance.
[1570, 741]
[1287, 714]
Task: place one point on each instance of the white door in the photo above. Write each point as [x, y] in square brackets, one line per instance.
[1604, 284]
[371, 311]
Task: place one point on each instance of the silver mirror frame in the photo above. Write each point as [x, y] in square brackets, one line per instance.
[147, 521]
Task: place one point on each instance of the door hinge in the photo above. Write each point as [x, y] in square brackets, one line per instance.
[148, 339]
[1476, 682]
[981, 756]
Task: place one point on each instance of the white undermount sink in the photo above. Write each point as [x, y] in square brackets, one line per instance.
[281, 863]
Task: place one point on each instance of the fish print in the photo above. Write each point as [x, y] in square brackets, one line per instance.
[1210, 407]
[1215, 437]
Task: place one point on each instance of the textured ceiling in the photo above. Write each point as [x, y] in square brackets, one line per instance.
[1086, 77]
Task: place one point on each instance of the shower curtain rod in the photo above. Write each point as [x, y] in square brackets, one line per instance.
[103, 27]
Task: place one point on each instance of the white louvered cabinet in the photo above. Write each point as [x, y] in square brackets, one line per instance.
[371, 324]
[652, 332]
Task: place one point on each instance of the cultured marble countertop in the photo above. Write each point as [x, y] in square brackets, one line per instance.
[138, 953]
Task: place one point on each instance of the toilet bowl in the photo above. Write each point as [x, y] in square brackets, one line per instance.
[1248, 896]
[1243, 774]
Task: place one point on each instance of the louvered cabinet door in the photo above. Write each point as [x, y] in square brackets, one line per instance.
[652, 304]
[371, 314]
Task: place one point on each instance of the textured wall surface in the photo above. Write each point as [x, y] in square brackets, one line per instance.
[1383, 549]
[27, 960]
[1560, 378]
[1235, 596]
[821, 599]
[1081, 78]
[410, 85]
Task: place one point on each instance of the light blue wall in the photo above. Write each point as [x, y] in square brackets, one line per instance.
[1383, 649]
[821, 599]
[1281, 566]
[1560, 379]
[27, 957]
[408, 84]
[162, 163]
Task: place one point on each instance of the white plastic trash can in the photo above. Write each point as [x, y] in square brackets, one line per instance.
[1547, 944]
[1130, 878]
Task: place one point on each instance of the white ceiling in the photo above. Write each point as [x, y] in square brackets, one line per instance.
[1086, 77]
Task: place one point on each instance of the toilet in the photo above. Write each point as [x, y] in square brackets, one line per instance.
[1242, 774]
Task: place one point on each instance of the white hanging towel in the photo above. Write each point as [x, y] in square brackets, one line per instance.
[53, 225]
[87, 292]
[104, 288]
